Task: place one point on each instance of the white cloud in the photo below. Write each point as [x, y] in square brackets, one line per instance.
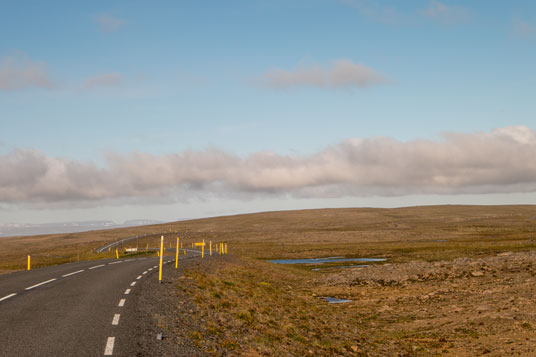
[343, 74]
[445, 14]
[103, 80]
[19, 72]
[377, 12]
[109, 23]
[524, 29]
[501, 161]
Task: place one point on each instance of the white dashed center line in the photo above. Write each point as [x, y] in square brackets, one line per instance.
[36, 285]
[139, 277]
[121, 303]
[74, 272]
[128, 260]
[115, 321]
[8, 296]
[127, 291]
[109, 350]
[97, 266]
[114, 263]
[133, 283]
[145, 272]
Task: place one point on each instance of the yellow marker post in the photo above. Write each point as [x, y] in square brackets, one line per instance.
[177, 254]
[117, 254]
[210, 247]
[157, 253]
[161, 259]
[225, 248]
[203, 250]
[28, 262]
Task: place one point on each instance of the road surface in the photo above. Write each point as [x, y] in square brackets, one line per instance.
[75, 309]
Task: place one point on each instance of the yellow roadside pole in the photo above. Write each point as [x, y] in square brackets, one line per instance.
[177, 254]
[28, 262]
[225, 248]
[161, 259]
[117, 254]
[203, 250]
[210, 247]
[157, 253]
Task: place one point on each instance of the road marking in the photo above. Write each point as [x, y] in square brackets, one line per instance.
[115, 321]
[141, 258]
[150, 269]
[36, 285]
[139, 277]
[109, 350]
[133, 283]
[128, 260]
[7, 297]
[121, 303]
[97, 266]
[74, 272]
[155, 266]
[145, 272]
[127, 291]
[114, 262]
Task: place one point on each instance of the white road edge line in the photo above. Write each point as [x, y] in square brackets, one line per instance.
[8, 296]
[115, 321]
[36, 285]
[133, 283]
[127, 291]
[96, 266]
[74, 272]
[109, 350]
[121, 303]
[139, 277]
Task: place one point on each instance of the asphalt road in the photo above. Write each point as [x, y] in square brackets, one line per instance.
[75, 309]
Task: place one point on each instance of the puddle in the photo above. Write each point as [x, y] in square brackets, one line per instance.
[325, 260]
[342, 267]
[333, 300]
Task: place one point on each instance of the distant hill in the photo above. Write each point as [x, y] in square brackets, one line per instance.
[27, 229]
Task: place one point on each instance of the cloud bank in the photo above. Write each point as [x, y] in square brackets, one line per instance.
[19, 72]
[501, 161]
[343, 74]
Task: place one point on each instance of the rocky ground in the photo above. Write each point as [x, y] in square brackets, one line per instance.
[464, 307]
[228, 306]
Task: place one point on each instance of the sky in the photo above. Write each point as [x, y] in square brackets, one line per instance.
[169, 110]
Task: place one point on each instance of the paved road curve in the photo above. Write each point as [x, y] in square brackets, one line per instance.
[76, 309]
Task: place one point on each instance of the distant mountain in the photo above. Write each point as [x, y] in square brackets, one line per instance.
[27, 229]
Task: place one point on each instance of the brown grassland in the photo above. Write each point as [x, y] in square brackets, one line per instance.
[458, 280]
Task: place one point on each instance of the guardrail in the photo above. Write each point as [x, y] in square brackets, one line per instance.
[119, 242]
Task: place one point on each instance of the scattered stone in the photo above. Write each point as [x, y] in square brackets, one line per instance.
[477, 273]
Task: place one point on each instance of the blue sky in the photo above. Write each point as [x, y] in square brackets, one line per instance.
[83, 81]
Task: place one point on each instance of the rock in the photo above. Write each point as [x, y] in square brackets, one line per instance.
[385, 308]
[477, 273]
[354, 348]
